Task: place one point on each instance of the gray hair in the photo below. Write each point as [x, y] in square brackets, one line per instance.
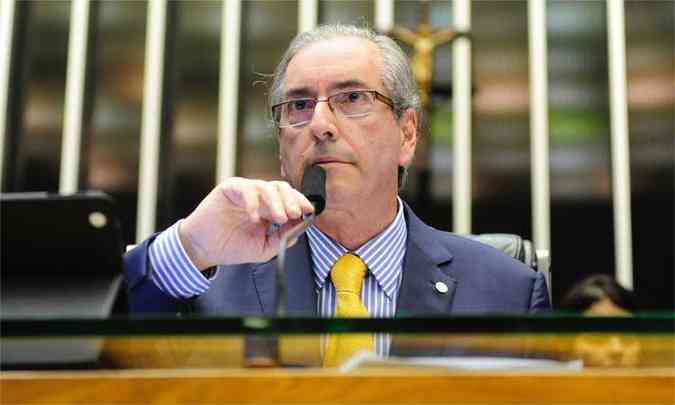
[397, 77]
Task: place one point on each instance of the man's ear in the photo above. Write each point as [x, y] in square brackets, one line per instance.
[408, 131]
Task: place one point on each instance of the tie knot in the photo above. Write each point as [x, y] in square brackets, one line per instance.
[347, 274]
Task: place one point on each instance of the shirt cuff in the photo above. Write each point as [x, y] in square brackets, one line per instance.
[173, 272]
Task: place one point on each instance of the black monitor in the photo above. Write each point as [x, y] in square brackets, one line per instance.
[61, 258]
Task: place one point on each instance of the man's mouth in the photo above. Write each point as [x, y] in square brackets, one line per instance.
[324, 160]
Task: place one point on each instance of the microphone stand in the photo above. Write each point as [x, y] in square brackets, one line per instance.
[265, 351]
[281, 301]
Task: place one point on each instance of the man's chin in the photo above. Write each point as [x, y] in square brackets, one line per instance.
[341, 195]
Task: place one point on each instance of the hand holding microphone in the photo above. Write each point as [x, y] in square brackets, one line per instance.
[314, 188]
[249, 221]
[230, 225]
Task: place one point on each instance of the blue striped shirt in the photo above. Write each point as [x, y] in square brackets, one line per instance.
[174, 273]
[172, 270]
[383, 256]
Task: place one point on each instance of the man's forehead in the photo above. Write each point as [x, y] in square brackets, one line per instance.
[337, 63]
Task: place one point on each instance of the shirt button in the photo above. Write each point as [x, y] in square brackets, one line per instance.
[441, 287]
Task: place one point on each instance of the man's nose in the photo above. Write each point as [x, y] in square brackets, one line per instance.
[322, 126]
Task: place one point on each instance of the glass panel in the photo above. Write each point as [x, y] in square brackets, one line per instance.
[460, 343]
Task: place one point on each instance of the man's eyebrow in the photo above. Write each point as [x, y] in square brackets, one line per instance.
[304, 92]
[349, 84]
[298, 92]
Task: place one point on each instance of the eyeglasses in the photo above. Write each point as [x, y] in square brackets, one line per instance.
[352, 104]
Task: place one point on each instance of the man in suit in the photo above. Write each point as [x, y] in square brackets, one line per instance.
[343, 98]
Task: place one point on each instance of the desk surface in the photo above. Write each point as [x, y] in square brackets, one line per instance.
[629, 386]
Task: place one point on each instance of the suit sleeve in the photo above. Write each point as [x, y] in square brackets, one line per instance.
[144, 295]
[539, 301]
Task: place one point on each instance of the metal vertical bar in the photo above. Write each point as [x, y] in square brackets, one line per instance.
[384, 15]
[229, 89]
[539, 135]
[308, 14]
[151, 119]
[6, 31]
[461, 107]
[74, 99]
[616, 48]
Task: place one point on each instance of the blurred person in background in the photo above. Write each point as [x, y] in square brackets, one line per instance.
[599, 294]
[602, 295]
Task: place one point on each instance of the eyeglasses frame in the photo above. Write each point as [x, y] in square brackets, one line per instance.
[378, 96]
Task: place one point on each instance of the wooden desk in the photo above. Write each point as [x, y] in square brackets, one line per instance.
[597, 386]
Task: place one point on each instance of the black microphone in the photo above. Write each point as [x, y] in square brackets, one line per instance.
[313, 186]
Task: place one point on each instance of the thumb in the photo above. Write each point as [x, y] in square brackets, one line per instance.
[292, 228]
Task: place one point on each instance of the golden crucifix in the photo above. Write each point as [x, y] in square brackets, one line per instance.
[424, 41]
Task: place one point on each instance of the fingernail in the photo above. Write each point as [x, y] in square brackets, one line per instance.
[273, 228]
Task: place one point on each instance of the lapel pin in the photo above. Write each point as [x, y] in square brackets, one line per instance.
[441, 287]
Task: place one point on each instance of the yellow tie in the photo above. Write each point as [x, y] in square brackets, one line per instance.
[347, 276]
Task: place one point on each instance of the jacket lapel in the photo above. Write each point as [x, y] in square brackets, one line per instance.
[299, 282]
[422, 270]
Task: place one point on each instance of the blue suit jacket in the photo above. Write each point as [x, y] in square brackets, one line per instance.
[480, 280]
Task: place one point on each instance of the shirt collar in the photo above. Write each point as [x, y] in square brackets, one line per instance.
[383, 254]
